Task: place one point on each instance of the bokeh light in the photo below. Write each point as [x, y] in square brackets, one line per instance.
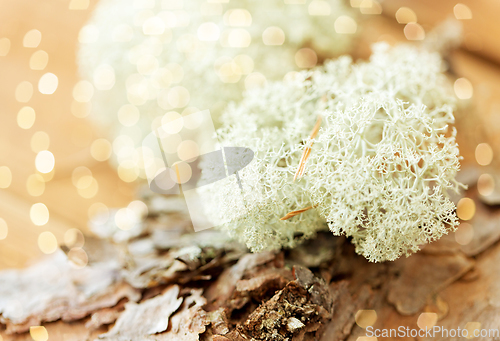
[319, 7]
[372, 7]
[228, 70]
[79, 5]
[273, 36]
[39, 333]
[466, 208]
[188, 150]
[83, 91]
[405, 15]
[125, 219]
[88, 187]
[44, 161]
[47, 242]
[473, 328]
[239, 37]
[414, 31]
[463, 88]
[484, 154]
[5, 177]
[427, 320]
[32, 38]
[462, 12]
[39, 60]
[39, 214]
[245, 63]
[81, 177]
[345, 25]
[78, 257]
[48, 84]
[101, 149]
[306, 58]
[485, 184]
[365, 318]
[26, 117]
[355, 3]
[237, 17]
[128, 115]
[24, 91]
[139, 208]
[171, 122]
[127, 171]
[255, 80]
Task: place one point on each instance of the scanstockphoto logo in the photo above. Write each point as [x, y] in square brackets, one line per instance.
[472, 330]
[174, 152]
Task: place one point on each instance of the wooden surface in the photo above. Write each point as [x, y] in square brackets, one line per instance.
[59, 26]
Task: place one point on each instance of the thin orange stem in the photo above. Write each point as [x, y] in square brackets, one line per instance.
[307, 150]
[297, 212]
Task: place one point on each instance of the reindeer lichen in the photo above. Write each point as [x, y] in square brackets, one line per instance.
[146, 59]
[379, 168]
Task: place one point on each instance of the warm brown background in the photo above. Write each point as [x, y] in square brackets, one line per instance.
[70, 137]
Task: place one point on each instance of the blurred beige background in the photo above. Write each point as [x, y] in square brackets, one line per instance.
[69, 137]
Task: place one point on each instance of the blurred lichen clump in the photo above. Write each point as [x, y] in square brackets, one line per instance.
[145, 63]
[378, 170]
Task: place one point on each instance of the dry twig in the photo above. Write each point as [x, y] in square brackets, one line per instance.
[307, 151]
[297, 212]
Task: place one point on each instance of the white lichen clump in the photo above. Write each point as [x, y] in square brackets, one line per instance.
[148, 58]
[378, 171]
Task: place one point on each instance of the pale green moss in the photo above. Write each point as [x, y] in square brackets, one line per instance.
[379, 168]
